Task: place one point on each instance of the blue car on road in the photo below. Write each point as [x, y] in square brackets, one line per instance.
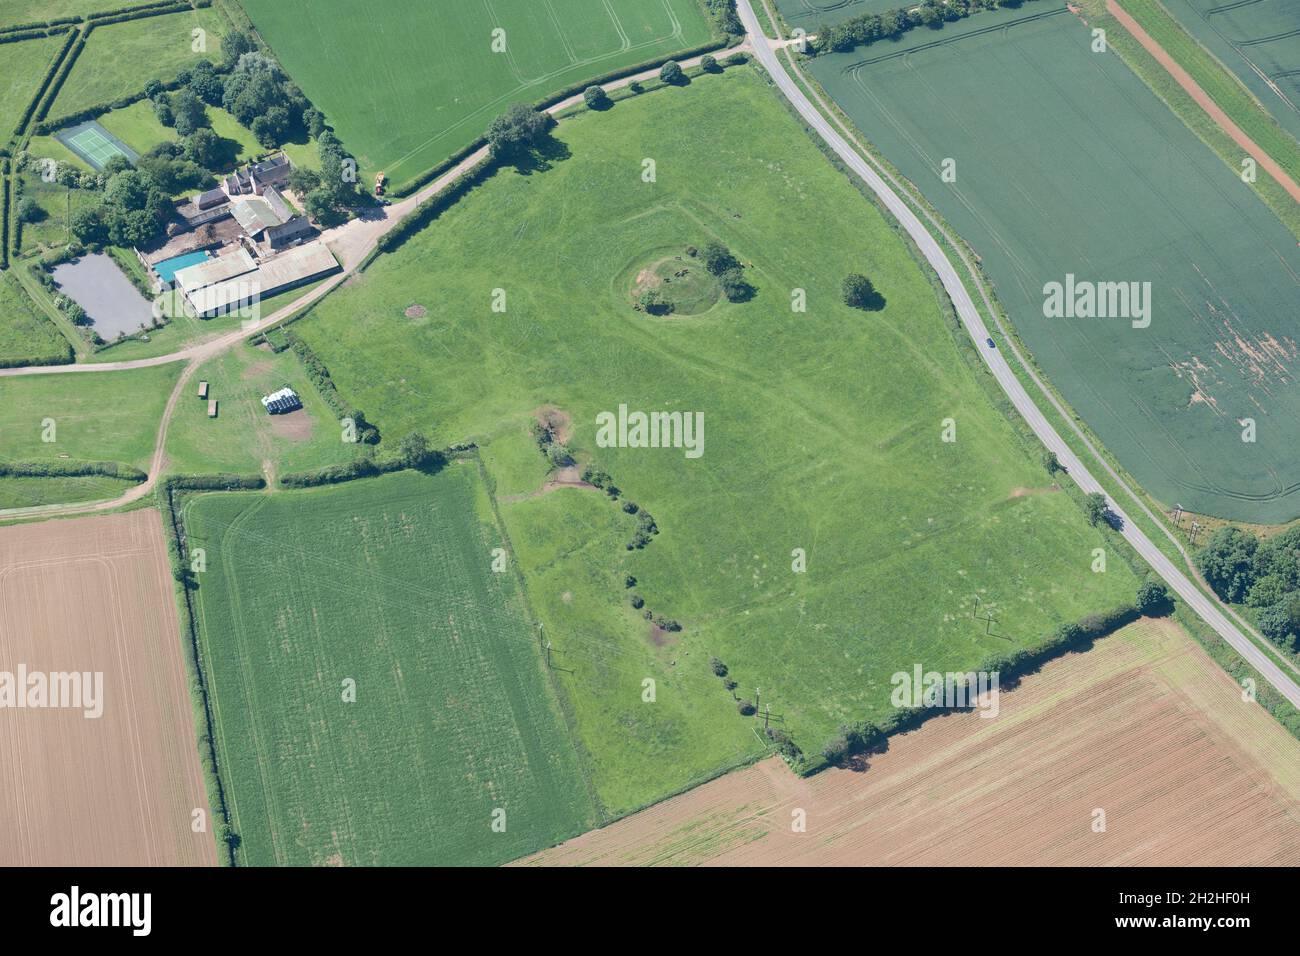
[990, 343]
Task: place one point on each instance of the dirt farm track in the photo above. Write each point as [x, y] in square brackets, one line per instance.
[1145, 727]
[95, 595]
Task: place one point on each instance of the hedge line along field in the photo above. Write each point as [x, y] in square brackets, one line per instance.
[22, 65]
[357, 66]
[1144, 725]
[26, 336]
[1045, 132]
[119, 58]
[104, 416]
[823, 433]
[386, 582]
[1259, 41]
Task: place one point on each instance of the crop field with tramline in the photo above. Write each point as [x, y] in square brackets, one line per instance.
[387, 584]
[1065, 164]
[432, 80]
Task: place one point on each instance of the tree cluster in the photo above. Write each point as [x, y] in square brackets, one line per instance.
[1264, 574]
[728, 271]
[870, 27]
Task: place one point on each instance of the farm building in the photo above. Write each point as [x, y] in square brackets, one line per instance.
[212, 408]
[267, 219]
[253, 180]
[296, 267]
[210, 272]
[281, 402]
[203, 389]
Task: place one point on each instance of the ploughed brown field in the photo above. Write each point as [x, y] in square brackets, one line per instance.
[95, 594]
[1144, 726]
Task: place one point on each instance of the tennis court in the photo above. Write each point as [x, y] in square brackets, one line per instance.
[95, 144]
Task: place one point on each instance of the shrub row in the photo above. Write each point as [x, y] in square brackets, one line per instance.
[864, 736]
[44, 25]
[105, 19]
[50, 71]
[4, 213]
[429, 175]
[429, 210]
[136, 10]
[70, 469]
[366, 467]
[193, 659]
[32, 35]
[329, 393]
[64, 68]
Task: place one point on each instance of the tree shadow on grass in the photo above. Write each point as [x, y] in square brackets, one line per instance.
[541, 157]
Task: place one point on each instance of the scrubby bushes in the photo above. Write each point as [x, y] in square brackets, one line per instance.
[1263, 574]
[70, 469]
[320, 377]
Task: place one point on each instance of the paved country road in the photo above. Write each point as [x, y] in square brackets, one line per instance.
[961, 300]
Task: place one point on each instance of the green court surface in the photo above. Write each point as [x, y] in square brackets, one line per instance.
[1259, 40]
[1067, 164]
[95, 144]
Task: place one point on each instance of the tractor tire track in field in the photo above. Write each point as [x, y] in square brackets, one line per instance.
[1209, 610]
[1203, 100]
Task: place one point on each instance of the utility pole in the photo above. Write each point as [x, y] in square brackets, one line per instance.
[1196, 529]
[1178, 515]
[767, 716]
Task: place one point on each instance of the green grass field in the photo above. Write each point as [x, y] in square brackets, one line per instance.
[243, 438]
[1259, 41]
[1114, 188]
[26, 335]
[120, 58]
[34, 492]
[357, 65]
[14, 12]
[22, 65]
[386, 582]
[823, 433]
[99, 416]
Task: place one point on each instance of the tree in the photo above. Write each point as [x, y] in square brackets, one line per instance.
[596, 98]
[1051, 462]
[414, 450]
[1281, 623]
[717, 258]
[320, 208]
[29, 210]
[1227, 561]
[234, 45]
[162, 108]
[858, 291]
[709, 64]
[1152, 599]
[88, 227]
[1094, 506]
[654, 303]
[518, 130]
[189, 112]
[734, 285]
[314, 120]
[671, 73]
[271, 127]
[303, 180]
[203, 148]
[207, 83]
